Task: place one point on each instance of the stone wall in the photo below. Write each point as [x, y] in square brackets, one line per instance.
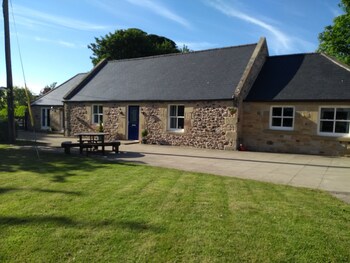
[207, 124]
[252, 71]
[303, 139]
[56, 116]
[79, 119]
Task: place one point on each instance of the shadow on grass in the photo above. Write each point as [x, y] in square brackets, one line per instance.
[140, 226]
[57, 220]
[9, 189]
[62, 221]
[58, 167]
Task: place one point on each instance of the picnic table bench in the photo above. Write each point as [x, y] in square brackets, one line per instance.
[94, 141]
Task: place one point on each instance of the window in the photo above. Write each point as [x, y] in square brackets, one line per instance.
[97, 114]
[282, 118]
[334, 121]
[176, 117]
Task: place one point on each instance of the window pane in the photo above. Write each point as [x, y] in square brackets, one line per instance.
[327, 113]
[100, 109]
[101, 118]
[288, 112]
[133, 116]
[172, 110]
[277, 111]
[43, 117]
[180, 123]
[94, 109]
[173, 123]
[343, 114]
[288, 122]
[277, 122]
[180, 110]
[95, 118]
[48, 124]
[326, 126]
[342, 127]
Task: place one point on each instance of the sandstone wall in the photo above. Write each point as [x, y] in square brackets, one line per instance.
[207, 124]
[258, 136]
[56, 116]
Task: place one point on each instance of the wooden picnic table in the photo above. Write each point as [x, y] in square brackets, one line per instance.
[93, 139]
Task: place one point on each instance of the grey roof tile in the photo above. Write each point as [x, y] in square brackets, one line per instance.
[202, 75]
[301, 77]
[55, 96]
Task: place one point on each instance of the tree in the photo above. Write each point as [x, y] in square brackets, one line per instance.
[185, 49]
[130, 43]
[20, 103]
[48, 88]
[335, 39]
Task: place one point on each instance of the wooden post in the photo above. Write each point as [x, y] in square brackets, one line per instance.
[10, 107]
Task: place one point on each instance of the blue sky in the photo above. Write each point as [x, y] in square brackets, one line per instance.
[53, 34]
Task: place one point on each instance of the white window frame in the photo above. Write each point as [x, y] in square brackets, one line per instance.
[332, 134]
[177, 117]
[282, 117]
[99, 114]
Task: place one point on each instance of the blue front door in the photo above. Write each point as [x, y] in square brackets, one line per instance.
[133, 123]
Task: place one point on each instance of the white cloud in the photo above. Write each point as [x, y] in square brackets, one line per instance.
[162, 11]
[34, 17]
[196, 45]
[280, 41]
[58, 42]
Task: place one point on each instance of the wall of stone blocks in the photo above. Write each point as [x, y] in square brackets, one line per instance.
[258, 136]
[208, 124]
[56, 115]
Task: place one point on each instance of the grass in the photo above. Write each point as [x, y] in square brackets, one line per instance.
[80, 209]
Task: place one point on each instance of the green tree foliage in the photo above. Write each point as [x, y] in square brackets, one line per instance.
[185, 49]
[48, 88]
[20, 103]
[130, 43]
[335, 39]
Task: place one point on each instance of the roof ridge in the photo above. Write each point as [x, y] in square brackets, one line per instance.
[65, 82]
[335, 61]
[85, 79]
[180, 54]
[296, 54]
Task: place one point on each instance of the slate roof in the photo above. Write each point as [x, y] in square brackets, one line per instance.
[55, 96]
[202, 75]
[301, 77]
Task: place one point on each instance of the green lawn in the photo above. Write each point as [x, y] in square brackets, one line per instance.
[79, 209]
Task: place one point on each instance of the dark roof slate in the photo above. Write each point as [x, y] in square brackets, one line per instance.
[301, 77]
[55, 96]
[202, 75]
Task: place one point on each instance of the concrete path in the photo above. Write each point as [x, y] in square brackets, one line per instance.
[318, 172]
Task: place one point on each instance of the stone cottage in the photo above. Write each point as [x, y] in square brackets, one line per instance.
[48, 110]
[192, 99]
[219, 99]
[301, 104]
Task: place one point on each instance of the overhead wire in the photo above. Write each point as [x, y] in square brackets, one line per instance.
[25, 82]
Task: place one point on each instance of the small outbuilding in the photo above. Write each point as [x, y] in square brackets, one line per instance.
[48, 109]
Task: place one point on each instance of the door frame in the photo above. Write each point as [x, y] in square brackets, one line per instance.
[45, 124]
[127, 122]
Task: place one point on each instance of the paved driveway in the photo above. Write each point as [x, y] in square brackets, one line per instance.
[319, 172]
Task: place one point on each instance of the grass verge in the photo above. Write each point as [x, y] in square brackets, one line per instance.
[64, 209]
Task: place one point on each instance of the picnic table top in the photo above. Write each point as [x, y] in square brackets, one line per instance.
[90, 133]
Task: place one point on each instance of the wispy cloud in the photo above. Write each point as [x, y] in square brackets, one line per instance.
[281, 41]
[196, 45]
[34, 17]
[161, 10]
[57, 42]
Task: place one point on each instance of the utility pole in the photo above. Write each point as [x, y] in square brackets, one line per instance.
[10, 108]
